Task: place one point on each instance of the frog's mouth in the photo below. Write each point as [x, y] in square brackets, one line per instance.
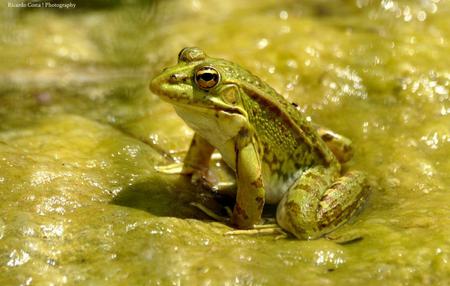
[211, 109]
[173, 93]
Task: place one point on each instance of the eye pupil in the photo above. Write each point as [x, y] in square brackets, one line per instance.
[207, 76]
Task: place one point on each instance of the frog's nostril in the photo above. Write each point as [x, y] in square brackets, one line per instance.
[176, 78]
[173, 78]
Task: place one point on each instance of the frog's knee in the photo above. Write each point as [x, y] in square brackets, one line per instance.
[294, 218]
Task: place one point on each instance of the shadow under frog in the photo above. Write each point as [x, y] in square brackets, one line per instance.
[171, 196]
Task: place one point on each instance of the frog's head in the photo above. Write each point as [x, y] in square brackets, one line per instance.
[198, 82]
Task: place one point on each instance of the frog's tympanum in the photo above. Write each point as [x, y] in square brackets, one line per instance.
[278, 156]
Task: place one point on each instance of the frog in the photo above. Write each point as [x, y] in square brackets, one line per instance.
[277, 154]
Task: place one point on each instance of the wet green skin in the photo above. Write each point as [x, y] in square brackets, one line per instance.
[278, 156]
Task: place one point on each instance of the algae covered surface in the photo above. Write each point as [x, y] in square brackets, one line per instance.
[81, 134]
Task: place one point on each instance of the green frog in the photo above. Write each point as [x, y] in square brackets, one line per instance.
[278, 156]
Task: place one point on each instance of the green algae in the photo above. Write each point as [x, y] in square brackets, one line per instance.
[80, 136]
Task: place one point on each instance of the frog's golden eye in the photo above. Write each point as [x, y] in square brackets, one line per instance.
[206, 77]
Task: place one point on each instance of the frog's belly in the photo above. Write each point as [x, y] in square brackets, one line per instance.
[275, 184]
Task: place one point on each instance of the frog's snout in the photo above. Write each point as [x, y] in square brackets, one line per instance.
[155, 84]
[174, 87]
[163, 81]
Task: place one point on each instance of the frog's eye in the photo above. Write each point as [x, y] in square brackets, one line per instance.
[206, 77]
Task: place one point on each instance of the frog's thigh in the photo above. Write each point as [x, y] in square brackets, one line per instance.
[316, 204]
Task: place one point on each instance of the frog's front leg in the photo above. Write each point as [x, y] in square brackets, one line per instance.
[250, 193]
[320, 201]
[196, 161]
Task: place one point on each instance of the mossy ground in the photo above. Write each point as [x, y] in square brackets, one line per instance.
[80, 135]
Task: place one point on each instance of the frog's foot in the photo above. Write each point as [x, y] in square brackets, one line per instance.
[198, 177]
[318, 202]
[212, 214]
[179, 168]
[261, 229]
[171, 169]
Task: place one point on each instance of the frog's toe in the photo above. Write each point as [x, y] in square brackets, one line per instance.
[263, 229]
[171, 169]
[210, 213]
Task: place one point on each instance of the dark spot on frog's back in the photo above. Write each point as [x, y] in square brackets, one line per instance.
[270, 157]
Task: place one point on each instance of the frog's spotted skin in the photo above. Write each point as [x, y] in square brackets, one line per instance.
[278, 156]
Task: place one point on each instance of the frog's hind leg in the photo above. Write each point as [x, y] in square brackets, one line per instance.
[320, 201]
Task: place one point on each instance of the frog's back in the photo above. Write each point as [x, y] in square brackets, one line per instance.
[283, 131]
[287, 141]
